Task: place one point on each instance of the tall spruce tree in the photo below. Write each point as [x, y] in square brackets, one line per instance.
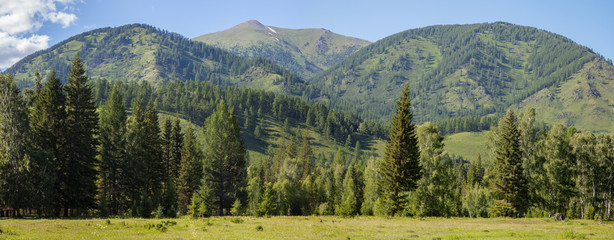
[176, 149]
[14, 146]
[400, 169]
[112, 150]
[48, 124]
[154, 165]
[190, 172]
[224, 158]
[79, 173]
[167, 132]
[509, 184]
[133, 180]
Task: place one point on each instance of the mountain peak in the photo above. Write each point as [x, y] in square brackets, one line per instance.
[304, 51]
[249, 24]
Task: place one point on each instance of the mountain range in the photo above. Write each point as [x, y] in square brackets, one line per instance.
[452, 70]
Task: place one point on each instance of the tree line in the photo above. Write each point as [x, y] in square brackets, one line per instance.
[61, 157]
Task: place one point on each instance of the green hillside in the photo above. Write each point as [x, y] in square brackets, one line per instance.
[477, 69]
[306, 52]
[141, 53]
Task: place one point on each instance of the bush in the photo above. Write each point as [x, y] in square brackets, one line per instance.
[500, 208]
[169, 223]
[259, 228]
[236, 220]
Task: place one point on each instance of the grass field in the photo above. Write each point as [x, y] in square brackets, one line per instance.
[304, 228]
[467, 144]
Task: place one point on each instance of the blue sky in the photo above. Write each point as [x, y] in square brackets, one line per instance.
[589, 22]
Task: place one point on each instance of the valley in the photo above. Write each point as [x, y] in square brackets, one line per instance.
[485, 130]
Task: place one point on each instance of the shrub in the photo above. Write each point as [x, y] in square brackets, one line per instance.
[259, 228]
[500, 208]
[236, 220]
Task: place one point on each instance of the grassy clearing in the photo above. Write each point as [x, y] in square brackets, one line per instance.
[304, 228]
[467, 144]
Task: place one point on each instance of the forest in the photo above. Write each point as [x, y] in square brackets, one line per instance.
[98, 149]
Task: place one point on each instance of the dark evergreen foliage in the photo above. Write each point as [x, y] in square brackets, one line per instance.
[509, 184]
[401, 169]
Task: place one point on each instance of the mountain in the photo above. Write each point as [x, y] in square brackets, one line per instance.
[303, 51]
[478, 69]
[137, 53]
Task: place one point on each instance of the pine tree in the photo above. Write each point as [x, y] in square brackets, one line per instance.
[224, 158]
[169, 202]
[176, 149]
[133, 178]
[305, 154]
[349, 202]
[79, 173]
[400, 169]
[167, 134]
[509, 184]
[48, 124]
[14, 146]
[153, 163]
[190, 172]
[475, 174]
[112, 151]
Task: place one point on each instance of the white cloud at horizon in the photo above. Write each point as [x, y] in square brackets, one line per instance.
[19, 21]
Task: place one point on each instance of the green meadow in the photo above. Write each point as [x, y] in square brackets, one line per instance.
[312, 227]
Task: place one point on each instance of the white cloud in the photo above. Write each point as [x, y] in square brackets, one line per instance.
[20, 19]
[64, 18]
[12, 49]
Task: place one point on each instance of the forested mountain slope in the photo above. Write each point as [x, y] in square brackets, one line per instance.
[306, 52]
[478, 69]
[264, 117]
[137, 52]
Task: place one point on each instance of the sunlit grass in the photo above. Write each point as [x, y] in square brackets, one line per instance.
[312, 227]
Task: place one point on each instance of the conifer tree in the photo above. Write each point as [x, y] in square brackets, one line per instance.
[190, 172]
[133, 180]
[224, 158]
[79, 173]
[167, 134]
[371, 190]
[176, 149]
[349, 202]
[400, 169]
[509, 184]
[14, 145]
[112, 150]
[154, 165]
[48, 124]
[305, 154]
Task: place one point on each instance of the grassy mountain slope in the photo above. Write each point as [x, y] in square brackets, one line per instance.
[478, 69]
[586, 100]
[303, 51]
[135, 53]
